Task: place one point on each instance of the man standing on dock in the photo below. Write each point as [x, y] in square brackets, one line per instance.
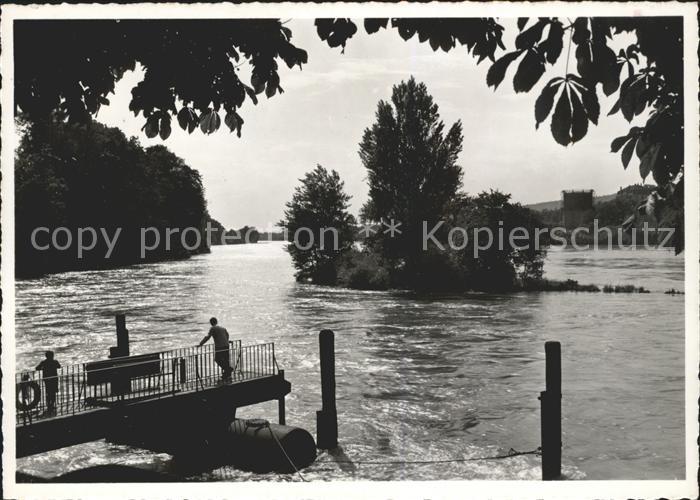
[49, 373]
[222, 354]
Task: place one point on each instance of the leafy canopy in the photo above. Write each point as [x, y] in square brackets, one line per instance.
[319, 226]
[93, 176]
[412, 169]
[499, 267]
[646, 77]
[414, 182]
[191, 68]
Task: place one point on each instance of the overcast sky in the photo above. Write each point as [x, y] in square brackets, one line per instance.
[327, 105]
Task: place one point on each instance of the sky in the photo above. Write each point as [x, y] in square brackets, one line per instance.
[326, 106]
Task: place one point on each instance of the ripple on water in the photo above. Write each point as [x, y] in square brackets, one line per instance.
[418, 378]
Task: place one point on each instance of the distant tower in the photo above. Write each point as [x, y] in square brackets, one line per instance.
[577, 208]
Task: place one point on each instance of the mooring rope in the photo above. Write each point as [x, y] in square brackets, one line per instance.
[261, 423]
[285, 454]
[511, 453]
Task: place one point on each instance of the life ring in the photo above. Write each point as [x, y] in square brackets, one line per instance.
[23, 389]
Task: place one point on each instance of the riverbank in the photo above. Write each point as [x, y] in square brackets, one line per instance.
[569, 285]
[539, 285]
[43, 268]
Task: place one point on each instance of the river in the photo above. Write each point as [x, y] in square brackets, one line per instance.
[417, 378]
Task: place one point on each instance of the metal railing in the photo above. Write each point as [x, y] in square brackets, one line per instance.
[115, 381]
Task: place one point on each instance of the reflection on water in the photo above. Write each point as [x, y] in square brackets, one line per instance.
[417, 378]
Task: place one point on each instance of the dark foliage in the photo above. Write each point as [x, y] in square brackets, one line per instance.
[191, 74]
[217, 232]
[92, 176]
[191, 68]
[319, 204]
[272, 236]
[246, 234]
[500, 267]
[221, 236]
[412, 171]
[624, 289]
[647, 74]
[413, 180]
[545, 285]
[363, 270]
[453, 265]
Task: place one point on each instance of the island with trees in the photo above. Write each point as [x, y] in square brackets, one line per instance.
[414, 230]
[414, 182]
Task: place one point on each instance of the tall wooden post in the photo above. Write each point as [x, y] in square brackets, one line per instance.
[120, 385]
[327, 418]
[122, 348]
[550, 400]
[280, 404]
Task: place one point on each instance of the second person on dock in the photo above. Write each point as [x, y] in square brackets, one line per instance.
[221, 344]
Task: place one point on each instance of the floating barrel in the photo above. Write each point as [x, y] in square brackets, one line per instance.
[261, 446]
[200, 442]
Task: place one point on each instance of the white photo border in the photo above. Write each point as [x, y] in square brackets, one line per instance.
[686, 487]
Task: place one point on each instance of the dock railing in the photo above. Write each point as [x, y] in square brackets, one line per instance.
[86, 386]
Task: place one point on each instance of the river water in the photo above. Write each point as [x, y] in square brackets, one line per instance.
[417, 378]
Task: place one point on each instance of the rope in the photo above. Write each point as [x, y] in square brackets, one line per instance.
[511, 453]
[262, 423]
[285, 454]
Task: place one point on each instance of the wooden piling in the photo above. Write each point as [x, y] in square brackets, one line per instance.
[122, 348]
[119, 385]
[550, 400]
[327, 418]
[280, 404]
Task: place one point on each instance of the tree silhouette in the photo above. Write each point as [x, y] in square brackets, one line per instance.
[653, 65]
[190, 68]
[92, 176]
[319, 226]
[190, 73]
[412, 170]
[498, 267]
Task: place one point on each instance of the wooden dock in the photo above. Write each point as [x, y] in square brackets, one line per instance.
[170, 401]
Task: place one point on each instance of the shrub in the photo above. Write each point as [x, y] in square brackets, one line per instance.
[363, 270]
[624, 289]
[545, 285]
